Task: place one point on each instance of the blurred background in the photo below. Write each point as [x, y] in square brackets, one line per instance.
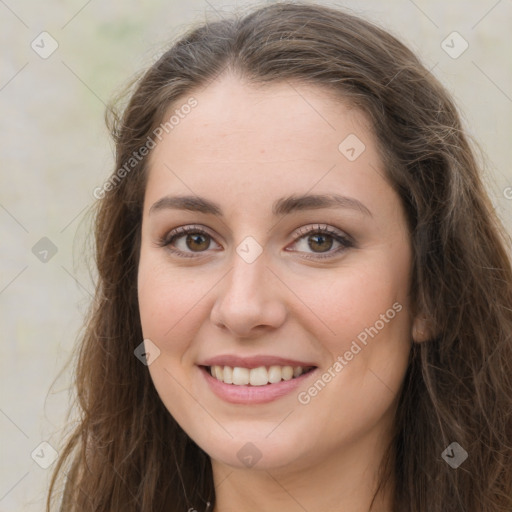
[61, 62]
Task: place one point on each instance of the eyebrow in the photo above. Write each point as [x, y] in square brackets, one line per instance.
[282, 206]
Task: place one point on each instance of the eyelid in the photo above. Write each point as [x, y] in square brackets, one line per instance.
[321, 228]
[185, 230]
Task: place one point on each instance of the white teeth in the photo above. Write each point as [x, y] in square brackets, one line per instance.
[260, 376]
[219, 372]
[240, 376]
[274, 374]
[287, 372]
[228, 375]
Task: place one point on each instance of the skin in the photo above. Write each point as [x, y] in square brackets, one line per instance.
[244, 147]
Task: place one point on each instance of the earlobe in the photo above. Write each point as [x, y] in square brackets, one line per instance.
[420, 329]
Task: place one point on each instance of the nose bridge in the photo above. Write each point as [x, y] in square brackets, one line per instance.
[248, 277]
[248, 298]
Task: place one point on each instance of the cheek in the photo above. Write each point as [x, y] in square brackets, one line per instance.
[166, 304]
[365, 329]
[367, 312]
[168, 311]
[345, 303]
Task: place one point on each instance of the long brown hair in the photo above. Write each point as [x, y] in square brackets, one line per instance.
[128, 454]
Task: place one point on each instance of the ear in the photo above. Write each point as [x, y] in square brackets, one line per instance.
[421, 329]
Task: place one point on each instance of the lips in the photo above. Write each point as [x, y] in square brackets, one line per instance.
[255, 379]
[254, 362]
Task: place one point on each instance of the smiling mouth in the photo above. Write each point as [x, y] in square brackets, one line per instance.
[260, 376]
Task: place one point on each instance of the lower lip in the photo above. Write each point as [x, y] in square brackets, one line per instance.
[253, 394]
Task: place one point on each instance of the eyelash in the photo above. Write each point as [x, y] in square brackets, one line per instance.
[345, 241]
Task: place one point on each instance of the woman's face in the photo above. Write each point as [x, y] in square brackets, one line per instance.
[298, 255]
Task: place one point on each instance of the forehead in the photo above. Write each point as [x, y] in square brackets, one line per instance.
[271, 119]
[243, 142]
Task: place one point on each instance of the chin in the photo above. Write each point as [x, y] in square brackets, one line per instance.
[254, 446]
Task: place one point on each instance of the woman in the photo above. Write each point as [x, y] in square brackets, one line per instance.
[304, 297]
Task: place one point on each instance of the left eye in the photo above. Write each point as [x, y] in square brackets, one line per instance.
[320, 239]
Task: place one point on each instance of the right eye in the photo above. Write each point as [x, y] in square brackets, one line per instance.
[184, 240]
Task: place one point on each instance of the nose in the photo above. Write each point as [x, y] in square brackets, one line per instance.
[249, 299]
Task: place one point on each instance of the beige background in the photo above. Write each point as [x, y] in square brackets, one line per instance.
[55, 151]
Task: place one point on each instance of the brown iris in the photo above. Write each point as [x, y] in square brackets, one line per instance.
[321, 240]
[194, 241]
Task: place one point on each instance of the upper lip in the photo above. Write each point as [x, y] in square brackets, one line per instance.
[253, 361]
